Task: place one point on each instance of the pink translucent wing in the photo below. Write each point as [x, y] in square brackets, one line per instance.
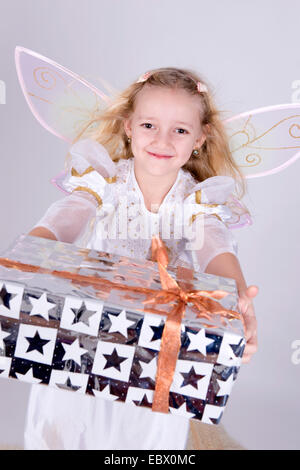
[61, 100]
[265, 140]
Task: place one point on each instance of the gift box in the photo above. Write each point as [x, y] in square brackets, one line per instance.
[118, 328]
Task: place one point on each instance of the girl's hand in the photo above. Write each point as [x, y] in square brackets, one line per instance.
[247, 309]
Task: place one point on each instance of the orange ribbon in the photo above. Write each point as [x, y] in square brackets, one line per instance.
[202, 304]
[171, 337]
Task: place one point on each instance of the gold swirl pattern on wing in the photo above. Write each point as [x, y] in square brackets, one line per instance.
[39, 97]
[47, 79]
[254, 159]
[40, 75]
[298, 129]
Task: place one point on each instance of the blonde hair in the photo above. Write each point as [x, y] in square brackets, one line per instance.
[214, 156]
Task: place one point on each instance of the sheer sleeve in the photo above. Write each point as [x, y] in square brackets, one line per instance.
[67, 218]
[217, 239]
[208, 218]
[85, 182]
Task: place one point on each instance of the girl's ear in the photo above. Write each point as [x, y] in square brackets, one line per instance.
[201, 140]
[127, 127]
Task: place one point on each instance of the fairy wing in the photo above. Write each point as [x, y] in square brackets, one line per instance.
[265, 140]
[61, 100]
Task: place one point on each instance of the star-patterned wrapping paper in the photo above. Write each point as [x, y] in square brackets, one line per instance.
[58, 333]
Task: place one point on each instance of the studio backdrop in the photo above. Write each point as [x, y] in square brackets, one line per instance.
[247, 53]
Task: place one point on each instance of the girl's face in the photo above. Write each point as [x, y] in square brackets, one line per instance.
[165, 122]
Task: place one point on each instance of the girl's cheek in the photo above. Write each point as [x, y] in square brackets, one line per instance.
[142, 137]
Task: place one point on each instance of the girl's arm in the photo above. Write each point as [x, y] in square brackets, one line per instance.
[66, 219]
[42, 232]
[227, 265]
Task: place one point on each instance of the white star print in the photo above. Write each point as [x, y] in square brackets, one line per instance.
[119, 323]
[41, 306]
[73, 351]
[28, 377]
[149, 369]
[225, 386]
[3, 335]
[211, 412]
[199, 341]
[105, 394]
[181, 411]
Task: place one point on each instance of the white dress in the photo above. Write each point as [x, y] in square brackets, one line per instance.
[92, 216]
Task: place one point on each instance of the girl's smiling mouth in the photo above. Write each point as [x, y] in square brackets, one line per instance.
[160, 156]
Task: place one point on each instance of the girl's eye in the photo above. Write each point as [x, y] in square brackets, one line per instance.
[149, 124]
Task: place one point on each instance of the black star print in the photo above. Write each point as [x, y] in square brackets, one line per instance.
[82, 314]
[157, 330]
[191, 378]
[143, 402]
[113, 360]
[36, 343]
[68, 385]
[2, 370]
[238, 348]
[5, 297]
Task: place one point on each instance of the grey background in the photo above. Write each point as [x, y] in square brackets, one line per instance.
[248, 52]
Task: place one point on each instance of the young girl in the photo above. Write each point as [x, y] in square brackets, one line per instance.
[160, 147]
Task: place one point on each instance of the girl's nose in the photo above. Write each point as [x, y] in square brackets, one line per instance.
[162, 138]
